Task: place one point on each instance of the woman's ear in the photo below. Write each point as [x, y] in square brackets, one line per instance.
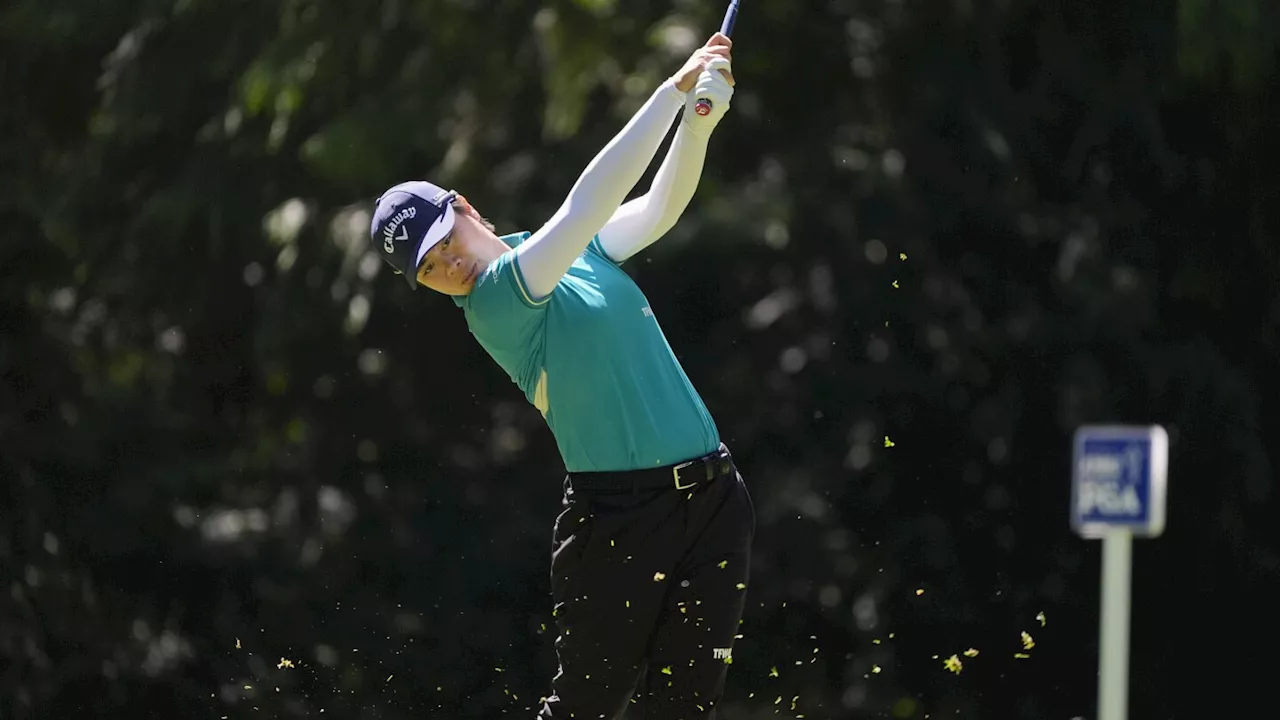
[463, 206]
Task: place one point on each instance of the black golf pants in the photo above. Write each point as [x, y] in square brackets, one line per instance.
[649, 578]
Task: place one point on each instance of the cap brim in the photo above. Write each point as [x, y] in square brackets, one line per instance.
[438, 231]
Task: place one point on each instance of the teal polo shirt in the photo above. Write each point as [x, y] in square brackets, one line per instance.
[593, 360]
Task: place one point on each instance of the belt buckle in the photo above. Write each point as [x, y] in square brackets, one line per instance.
[675, 475]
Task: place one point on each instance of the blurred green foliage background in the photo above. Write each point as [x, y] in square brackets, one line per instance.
[228, 439]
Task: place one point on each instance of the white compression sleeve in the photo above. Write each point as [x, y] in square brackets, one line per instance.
[603, 185]
[640, 222]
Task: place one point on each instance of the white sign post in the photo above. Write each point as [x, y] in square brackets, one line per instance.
[1117, 492]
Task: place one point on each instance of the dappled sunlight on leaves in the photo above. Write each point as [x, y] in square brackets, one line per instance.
[249, 473]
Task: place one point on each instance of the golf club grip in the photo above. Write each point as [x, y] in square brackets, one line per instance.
[704, 105]
[730, 17]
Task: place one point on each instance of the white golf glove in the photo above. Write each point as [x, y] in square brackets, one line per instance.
[713, 86]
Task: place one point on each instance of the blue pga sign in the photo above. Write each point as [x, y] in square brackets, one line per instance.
[1118, 479]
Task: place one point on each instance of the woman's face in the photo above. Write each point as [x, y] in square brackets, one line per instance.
[452, 266]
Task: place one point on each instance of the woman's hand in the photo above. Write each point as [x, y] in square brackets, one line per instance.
[717, 47]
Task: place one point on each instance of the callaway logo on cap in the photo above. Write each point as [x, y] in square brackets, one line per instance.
[408, 221]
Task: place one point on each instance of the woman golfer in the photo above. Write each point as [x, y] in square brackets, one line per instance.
[650, 554]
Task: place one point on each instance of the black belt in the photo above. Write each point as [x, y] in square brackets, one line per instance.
[683, 476]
